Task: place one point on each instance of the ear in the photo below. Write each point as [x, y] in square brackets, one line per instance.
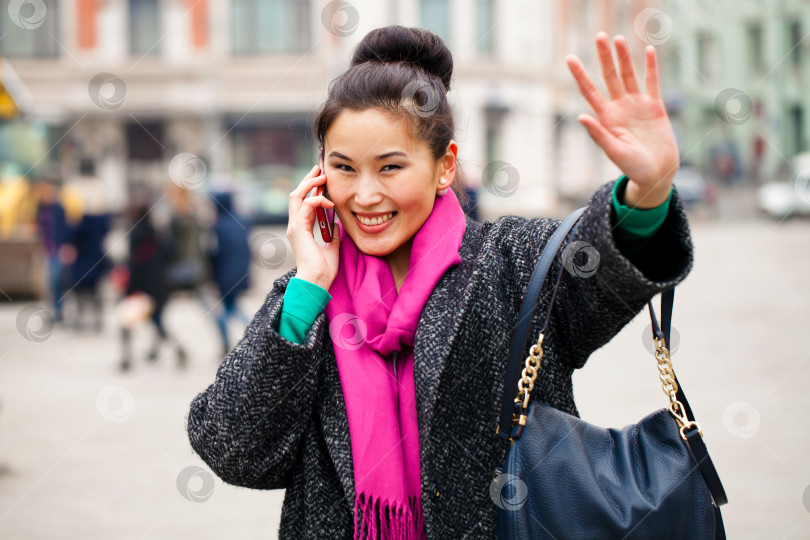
[447, 166]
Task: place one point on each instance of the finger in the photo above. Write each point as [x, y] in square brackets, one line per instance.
[586, 87]
[302, 190]
[599, 134]
[651, 74]
[305, 217]
[626, 65]
[612, 81]
[311, 175]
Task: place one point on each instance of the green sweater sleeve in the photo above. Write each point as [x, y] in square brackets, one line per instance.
[634, 227]
[303, 301]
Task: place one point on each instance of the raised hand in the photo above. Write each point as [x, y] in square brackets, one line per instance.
[631, 127]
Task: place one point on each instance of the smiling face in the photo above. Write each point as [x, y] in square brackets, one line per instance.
[377, 171]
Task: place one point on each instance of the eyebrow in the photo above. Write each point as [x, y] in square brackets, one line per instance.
[378, 158]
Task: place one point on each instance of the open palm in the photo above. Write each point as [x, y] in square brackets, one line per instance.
[631, 127]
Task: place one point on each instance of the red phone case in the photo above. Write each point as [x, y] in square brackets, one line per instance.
[325, 216]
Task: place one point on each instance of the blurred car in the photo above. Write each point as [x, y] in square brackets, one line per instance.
[693, 188]
[780, 199]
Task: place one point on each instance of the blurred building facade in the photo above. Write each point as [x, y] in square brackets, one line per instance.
[132, 85]
[737, 74]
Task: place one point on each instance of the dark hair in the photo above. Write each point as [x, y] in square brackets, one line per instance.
[405, 72]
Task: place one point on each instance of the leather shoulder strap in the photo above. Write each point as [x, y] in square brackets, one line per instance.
[527, 308]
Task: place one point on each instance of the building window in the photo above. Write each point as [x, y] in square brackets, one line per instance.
[144, 27]
[435, 16]
[144, 140]
[485, 15]
[796, 116]
[795, 33]
[269, 27]
[707, 57]
[270, 155]
[30, 31]
[756, 48]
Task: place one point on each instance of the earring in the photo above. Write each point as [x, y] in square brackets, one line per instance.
[442, 191]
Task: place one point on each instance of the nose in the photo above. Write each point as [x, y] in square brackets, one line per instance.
[368, 192]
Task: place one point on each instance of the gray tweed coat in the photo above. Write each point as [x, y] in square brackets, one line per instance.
[275, 418]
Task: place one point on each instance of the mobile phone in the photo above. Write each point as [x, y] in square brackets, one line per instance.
[325, 216]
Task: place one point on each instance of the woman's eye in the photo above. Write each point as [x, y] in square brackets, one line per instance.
[392, 165]
[339, 165]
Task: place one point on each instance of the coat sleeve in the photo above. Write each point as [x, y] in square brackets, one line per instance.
[601, 288]
[248, 425]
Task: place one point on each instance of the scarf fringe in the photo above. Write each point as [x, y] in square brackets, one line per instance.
[386, 520]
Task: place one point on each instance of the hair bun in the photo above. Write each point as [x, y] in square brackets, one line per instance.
[411, 45]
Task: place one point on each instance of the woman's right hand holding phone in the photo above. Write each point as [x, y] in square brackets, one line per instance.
[316, 264]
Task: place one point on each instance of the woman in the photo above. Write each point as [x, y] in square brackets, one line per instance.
[368, 384]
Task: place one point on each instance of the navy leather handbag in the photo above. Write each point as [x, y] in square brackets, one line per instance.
[564, 478]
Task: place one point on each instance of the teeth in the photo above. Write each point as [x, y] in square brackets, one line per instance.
[376, 220]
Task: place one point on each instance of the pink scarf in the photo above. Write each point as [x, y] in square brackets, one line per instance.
[370, 326]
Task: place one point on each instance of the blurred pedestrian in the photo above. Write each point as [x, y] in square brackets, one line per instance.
[53, 231]
[229, 253]
[187, 266]
[146, 265]
[90, 262]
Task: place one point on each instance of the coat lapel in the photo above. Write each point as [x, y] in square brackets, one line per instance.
[437, 328]
[434, 337]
